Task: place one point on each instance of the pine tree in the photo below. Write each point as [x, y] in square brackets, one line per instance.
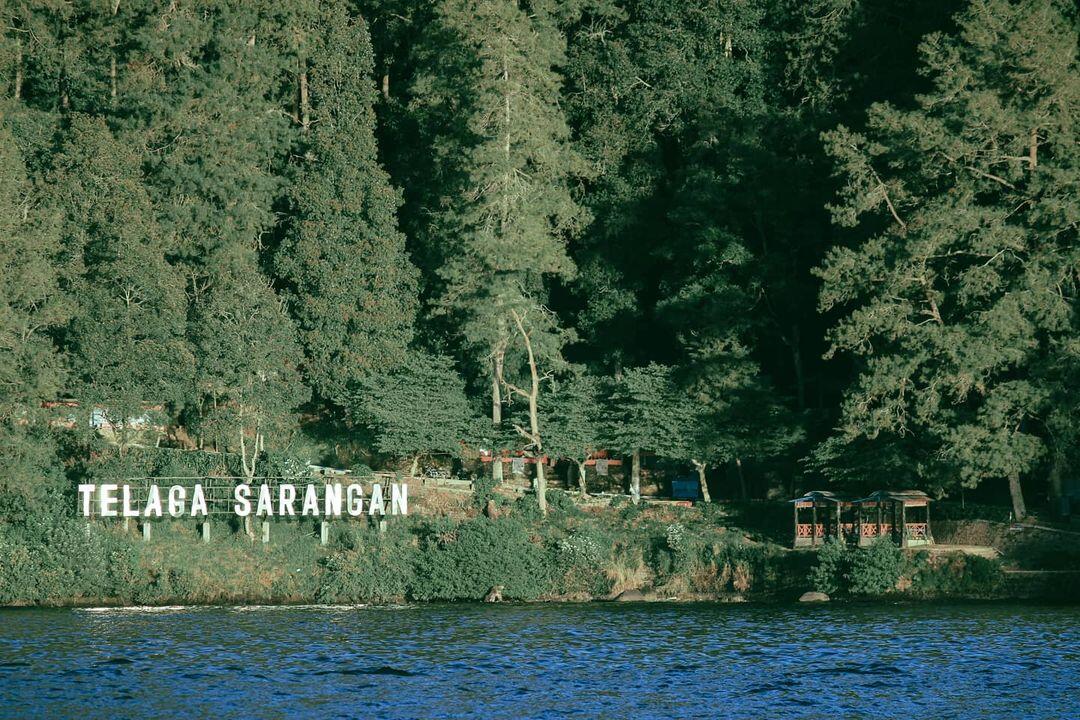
[33, 303]
[202, 88]
[964, 288]
[509, 209]
[208, 89]
[416, 409]
[574, 420]
[649, 412]
[127, 341]
[648, 80]
[248, 379]
[34, 306]
[352, 286]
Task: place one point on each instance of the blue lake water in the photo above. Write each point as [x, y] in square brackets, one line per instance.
[516, 661]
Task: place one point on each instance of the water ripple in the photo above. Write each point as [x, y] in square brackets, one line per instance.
[541, 661]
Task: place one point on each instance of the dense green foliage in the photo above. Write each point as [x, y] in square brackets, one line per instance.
[965, 295]
[724, 234]
[570, 555]
[884, 569]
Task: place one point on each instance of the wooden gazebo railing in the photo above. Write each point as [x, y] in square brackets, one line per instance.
[862, 521]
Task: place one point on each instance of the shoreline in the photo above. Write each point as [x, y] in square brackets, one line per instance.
[469, 550]
[102, 605]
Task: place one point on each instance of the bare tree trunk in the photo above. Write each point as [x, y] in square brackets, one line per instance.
[1019, 510]
[112, 62]
[581, 477]
[18, 70]
[1057, 471]
[248, 466]
[635, 475]
[541, 486]
[742, 479]
[534, 426]
[701, 467]
[1033, 149]
[532, 396]
[304, 109]
[415, 466]
[386, 86]
[496, 420]
[796, 358]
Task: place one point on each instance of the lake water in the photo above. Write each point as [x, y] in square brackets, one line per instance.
[514, 661]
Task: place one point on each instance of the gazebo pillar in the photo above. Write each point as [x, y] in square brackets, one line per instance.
[813, 523]
[796, 526]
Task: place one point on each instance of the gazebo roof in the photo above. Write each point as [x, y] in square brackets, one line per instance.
[907, 497]
[822, 496]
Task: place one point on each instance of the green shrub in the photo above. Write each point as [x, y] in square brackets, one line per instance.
[483, 490]
[681, 546]
[527, 509]
[730, 565]
[380, 570]
[580, 562]
[561, 504]
[955, 575]
[464, 561]
[628, 511]
[876, 569]
[829, 575]
[164, 586]
[18, 572]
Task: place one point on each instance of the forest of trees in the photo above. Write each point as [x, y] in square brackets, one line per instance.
[827, 241]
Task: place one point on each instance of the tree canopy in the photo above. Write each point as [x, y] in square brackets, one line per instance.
[814, 241]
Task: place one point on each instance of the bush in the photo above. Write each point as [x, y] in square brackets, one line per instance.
[581, 560]
[875, 570]
[726, 566]
[681, 545]
[483, 490]
[560, 503]
[628, 511]
[464, 561]
[955, 575]
[379, 570]
[829, 575]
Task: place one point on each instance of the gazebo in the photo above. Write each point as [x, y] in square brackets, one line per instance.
[821, 514]
[902, 515]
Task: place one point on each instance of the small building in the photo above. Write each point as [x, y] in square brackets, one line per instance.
[822, 514]
[902, 515]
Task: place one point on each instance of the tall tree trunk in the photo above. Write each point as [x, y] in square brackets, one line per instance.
[303, 104]
[496, 421]
[112, 62]
[796, 359]
[701, 467]
[415, 466]
[581, 478]
[635, 475]
[1019, 510]
[541, 486]
[248, 465]
[532, 396]
[1057, 472]
[18, 70]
